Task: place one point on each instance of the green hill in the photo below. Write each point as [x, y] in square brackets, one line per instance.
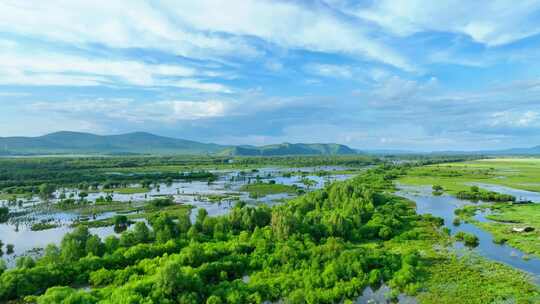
[290, 149]
[85, 143]
[146, 143]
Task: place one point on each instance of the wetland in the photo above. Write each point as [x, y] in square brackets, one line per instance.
[258, 230]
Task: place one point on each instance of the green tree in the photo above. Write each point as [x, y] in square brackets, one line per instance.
[174, 280]
[3, 266]
[141, 232]
[94, 246]
[4, 214]
[46, 191]
[111, 243]
[73, 246]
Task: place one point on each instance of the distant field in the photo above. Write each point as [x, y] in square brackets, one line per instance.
[519, 173]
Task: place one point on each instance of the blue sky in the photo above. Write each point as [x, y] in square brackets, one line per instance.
[390, 74]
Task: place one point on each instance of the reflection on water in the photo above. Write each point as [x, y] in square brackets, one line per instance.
[381, 295]
[443, 206]
[26, 240]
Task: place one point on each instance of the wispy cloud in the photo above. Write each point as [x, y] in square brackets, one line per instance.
[491, 23]
[428, 74]
[53, 69]
[196, 28]
[118, 24]
[515, 119]
[166, 111]
[330, 70]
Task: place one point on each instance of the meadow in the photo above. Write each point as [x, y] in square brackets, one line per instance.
[518, 173]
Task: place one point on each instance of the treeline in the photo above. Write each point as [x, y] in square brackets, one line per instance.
[476, 194]
[430, 159]
[309, 161]
[32, 172]
[94, 180]
[23, 175]
[318, 248]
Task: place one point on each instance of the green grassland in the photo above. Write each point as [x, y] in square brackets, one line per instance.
[129, 190]
[519, 173]
[262, 189]
[516, 216]
[472, 280]
[89, 209]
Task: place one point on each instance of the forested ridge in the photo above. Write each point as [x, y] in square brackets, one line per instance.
[323, 247]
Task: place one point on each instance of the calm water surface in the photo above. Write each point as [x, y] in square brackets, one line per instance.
[17, 231]
[443, 206]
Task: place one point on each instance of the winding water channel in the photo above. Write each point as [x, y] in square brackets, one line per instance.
[443, 206]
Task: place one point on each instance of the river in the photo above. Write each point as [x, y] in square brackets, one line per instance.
[443, 206]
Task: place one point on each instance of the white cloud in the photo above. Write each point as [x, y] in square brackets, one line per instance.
[515, 119]
[196, 28]
[167, 111]
[485, 21]
[197, 110]
[286, 24]
[330, 70]
[117, 24]
[53, 69]
[202, 86]
[273, 66]
[391, 89]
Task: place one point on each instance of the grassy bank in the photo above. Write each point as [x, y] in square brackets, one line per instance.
[504, 218]
[519, 173]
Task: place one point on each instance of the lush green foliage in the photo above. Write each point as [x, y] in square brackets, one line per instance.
[475, 194]
[21, 176]
[469, 239]
[310, 249]
[4, 214]
[43, 226]
[322, 247]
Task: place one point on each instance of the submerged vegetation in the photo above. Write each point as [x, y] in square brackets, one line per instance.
[469, 239]
[322, 247]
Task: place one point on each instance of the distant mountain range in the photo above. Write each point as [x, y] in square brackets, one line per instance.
[145, 143]
[77, 143]
[509, 152]
[290, 149]
[518, 151]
